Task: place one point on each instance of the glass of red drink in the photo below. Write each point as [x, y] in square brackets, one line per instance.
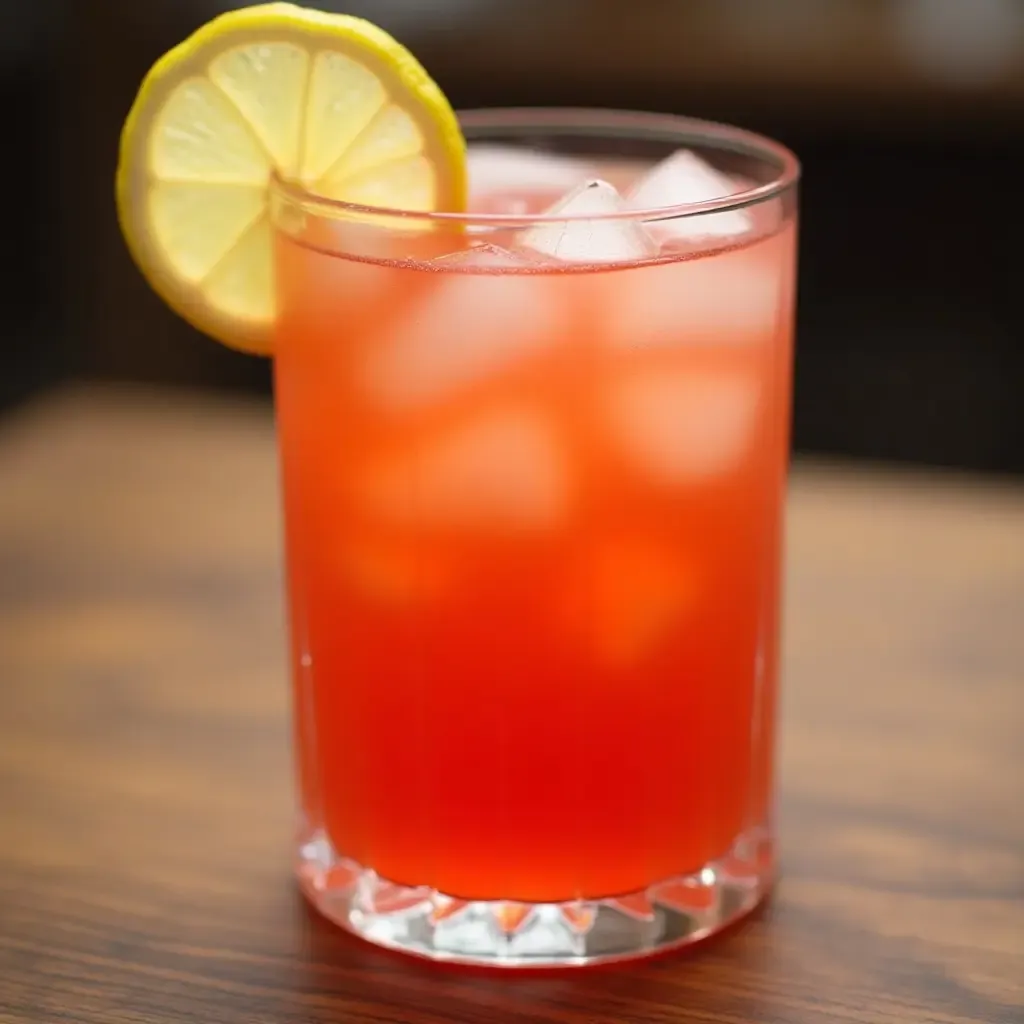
[534, 460]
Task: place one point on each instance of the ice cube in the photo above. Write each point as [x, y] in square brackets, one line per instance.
[684, 426]
[502, 469]
[685, 178]
[733, 297]
[311, 289]
[503, 169]
[625, 596]
[486, 256]
[590, 241]
[477, 319]
[393, 572]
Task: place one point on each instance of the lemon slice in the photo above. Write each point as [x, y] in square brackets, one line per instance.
[327, 101]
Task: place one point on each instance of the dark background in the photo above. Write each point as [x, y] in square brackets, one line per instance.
[908, 116]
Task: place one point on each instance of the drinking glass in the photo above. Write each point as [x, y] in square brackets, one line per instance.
[533, 470]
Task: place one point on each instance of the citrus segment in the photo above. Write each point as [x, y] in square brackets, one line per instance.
[267, 84]
[242, 284]
[196, 224]
[199, 135]
[344, 97]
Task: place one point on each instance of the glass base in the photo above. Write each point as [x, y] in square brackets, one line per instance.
[669, 914]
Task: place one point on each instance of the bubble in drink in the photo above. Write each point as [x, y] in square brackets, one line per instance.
[470, 325]
[590, 241]
[683, 426]
[502, 469]
[685, 178]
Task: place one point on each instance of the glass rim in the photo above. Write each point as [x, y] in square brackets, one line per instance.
[582, 121]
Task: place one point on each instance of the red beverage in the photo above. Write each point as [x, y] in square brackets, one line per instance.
[533, 517]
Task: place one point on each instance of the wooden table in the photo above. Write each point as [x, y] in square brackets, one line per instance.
[145, 787]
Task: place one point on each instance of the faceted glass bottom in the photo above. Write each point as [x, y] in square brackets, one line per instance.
[671, 913]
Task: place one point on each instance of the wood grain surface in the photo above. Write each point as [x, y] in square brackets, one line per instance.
[145, 783]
